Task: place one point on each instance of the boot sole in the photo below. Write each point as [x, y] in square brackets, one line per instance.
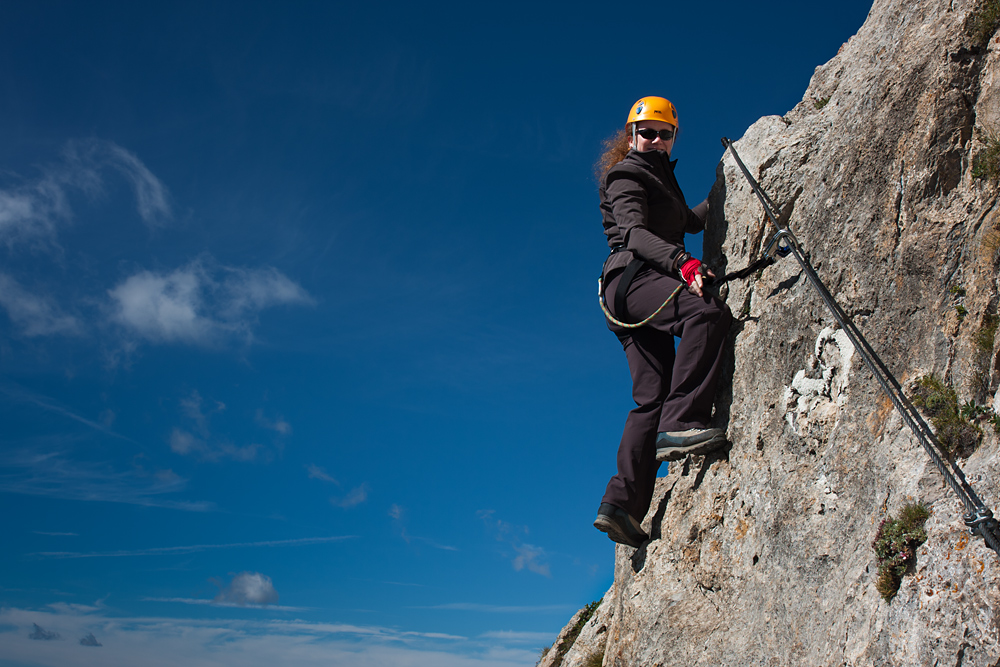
[678, 453]
[608, 525]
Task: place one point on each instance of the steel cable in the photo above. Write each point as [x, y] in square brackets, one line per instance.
[977, 517]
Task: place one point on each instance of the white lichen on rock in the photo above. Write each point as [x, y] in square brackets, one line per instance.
[809, 399]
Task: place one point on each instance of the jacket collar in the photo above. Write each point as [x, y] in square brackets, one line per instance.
[654, 159]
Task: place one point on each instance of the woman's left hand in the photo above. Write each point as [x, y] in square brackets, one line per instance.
[698, 283]
[694, 273]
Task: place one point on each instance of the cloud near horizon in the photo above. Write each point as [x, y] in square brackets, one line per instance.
[168, 641]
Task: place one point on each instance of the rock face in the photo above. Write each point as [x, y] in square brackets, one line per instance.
[761, 554]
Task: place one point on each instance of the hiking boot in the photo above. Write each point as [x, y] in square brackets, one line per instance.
[675, 445]
[620, 526]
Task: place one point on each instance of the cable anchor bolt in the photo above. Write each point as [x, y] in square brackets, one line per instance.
[774, 246]
[980, 521]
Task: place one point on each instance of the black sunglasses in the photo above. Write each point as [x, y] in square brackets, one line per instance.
[651, 134]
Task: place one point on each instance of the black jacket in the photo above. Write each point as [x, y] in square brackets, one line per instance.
[644, 211]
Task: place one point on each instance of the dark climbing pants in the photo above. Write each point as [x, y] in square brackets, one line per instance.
[673, 391]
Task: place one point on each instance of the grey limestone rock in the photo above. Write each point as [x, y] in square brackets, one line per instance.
[761, 553]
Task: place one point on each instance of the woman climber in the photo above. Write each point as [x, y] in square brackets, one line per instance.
[645, 219]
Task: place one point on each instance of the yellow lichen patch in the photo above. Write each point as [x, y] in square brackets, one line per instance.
[963, 541]
[742, 528]
[980, 566]
[877, 419]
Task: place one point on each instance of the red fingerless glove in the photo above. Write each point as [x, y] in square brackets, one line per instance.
[690, 269]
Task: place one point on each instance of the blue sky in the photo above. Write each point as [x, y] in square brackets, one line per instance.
[300, 355]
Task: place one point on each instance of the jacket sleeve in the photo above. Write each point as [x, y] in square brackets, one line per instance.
[627, 199]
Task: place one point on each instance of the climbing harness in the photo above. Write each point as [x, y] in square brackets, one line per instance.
[773, 248]
[630, 270]
[611, 318]
[978, 517]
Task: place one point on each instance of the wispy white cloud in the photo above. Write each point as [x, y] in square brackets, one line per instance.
[193, 548]
[33, 314]
[499, 609]
[278, 425]
[354, 497]
[22, 395]
[42, 532]
[163, 642]
[69, 608]
[316, 472]
[191, 406]
[152, 199]
[203, 445]
[526, 556]
[214, 603]
[519, 637]
[201, 303]
[530, 557]
[398, 515]
[53, 474]
[182, 442]
[31, 211]
[248, 588]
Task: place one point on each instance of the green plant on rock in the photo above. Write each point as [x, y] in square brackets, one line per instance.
[956, 290]
[984, 337]
[567, 643]
[962, 312]
[541, 656]
[995, 420]
[982, 356]
[986, 163]
[973, 411]
[985, 22]
[595, 659]
[819, 104]
[896, 545]
[939, 401]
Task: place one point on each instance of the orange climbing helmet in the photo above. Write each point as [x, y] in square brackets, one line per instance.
[653, 108]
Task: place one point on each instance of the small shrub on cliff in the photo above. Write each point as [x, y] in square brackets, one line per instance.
[984, 337]
[896, 545]
[986, 163]
[567, 643]
[594, 659]
[985, 22]
[939, 401]
[819, 104]
[982, 356]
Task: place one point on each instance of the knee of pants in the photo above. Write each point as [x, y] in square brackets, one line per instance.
[715, 312]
